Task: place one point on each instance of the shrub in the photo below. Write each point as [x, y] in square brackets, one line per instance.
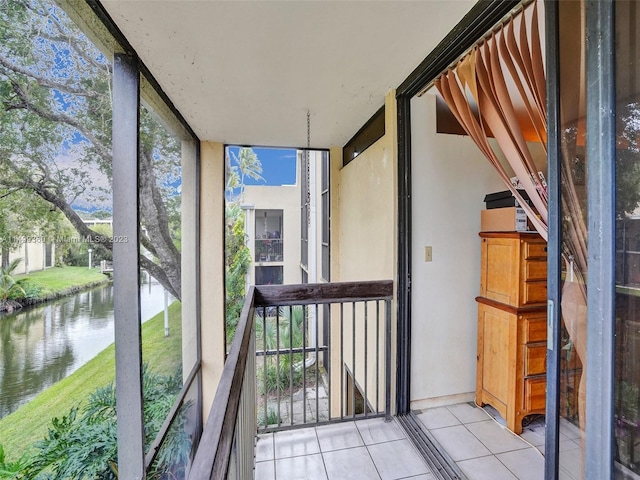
[280, 379]
[82, 445]
[31, 290]
[272, 418]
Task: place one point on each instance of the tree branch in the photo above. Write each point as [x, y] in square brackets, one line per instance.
[17, 189]
[60, 118]
[45, 82]
[157, 272]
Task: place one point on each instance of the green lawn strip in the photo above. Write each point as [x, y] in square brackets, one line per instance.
[163, 354]
[58, 281]
[30, 422]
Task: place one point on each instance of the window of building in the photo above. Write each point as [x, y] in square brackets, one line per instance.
[271, 275]
[369, 134]
[269, 235]
[326, 214]
[305, 199]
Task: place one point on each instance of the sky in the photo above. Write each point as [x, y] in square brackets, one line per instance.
[278, 168]
[278, 165]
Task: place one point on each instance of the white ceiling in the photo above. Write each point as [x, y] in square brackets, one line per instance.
[246, 72]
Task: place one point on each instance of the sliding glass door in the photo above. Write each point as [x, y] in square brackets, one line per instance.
[627, 243]
[594, 385]
[572, 249]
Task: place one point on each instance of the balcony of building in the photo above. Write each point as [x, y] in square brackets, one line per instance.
[308, 375]
[289, 406]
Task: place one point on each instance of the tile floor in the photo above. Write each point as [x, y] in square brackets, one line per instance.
[364, 450]
[480, 444]
[476, 439]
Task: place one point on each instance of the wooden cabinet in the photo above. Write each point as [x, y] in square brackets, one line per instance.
[512, 325]
[513, 268]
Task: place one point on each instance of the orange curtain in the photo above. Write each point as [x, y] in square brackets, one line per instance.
[487, 91]
[488, 88]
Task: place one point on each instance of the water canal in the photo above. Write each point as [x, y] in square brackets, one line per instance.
[43, 344]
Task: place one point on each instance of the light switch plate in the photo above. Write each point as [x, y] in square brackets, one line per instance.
[428, 254]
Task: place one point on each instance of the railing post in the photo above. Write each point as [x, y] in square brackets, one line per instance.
[387, 348]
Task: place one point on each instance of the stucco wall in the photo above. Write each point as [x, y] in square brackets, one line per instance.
[287, 199]
[32, 255]
[363, 242]
[211, 268]
[449, 180]
[365, 200]
[189, 258]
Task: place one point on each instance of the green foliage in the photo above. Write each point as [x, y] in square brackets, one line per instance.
[82, 445]
[77, 253]
[627, 164]
[627, 401]
[237, 262]
[57, 281]
[24, 215]
[30, 289]
[55, 142]
[272, 418]
[9, 286]
[245, 164]
[289, 333]
[11, 470]
[162, 355]
[281, 331]
[280, 376]
[237, 254]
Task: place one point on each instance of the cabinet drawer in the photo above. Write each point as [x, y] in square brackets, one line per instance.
[535, 359]
[535, 392]
[535, 328]
[535, 250]
[535, 270]
[534, 292]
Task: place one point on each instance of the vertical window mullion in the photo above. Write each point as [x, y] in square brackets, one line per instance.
[553, 259]
[601, 220]
[126, 101]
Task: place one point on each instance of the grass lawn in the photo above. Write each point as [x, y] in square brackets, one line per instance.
[30, 422]
[60, 280]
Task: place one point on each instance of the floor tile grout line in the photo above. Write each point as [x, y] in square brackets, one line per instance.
[324, 465]
[364, 444]
[460, 420]
[478, 438]
[317, 438]
[508, 469]
[273, 444]
[524, 441]
[495, 455]
[379, 443]
[443, 426]
[373, 461]
[481, 443]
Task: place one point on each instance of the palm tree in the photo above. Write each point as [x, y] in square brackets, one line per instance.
[283, 333]
[247, 164]
[289, 327]
[9, 285]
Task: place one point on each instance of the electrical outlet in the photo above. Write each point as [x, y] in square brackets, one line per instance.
[428, 254]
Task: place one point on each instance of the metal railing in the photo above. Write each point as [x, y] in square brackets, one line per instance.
[350, 380]
[269, 250]
[323, 353]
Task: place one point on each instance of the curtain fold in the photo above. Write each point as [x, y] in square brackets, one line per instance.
[487, 91]
[477, 90]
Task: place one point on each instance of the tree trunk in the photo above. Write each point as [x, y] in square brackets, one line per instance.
[155, 220]
[5, 258]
